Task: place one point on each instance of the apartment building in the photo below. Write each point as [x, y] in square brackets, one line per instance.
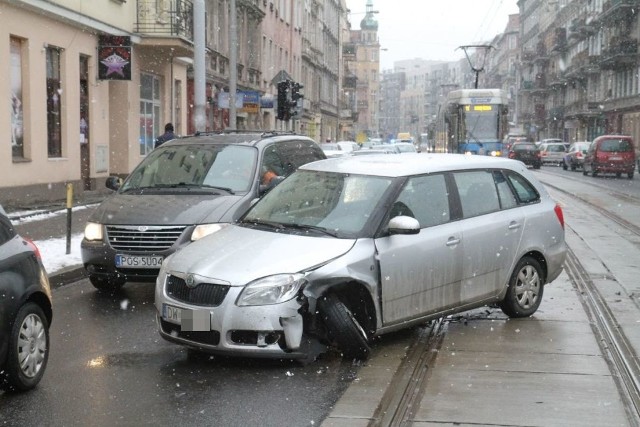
[579, 68]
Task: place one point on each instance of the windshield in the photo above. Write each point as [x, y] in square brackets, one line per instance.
[337, 202]
[481, 126]
[228, 167]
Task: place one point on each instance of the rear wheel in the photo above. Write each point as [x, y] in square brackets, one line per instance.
[28, 351]
[525, 290]
[343, 328]
[630, 175]
[106, 283]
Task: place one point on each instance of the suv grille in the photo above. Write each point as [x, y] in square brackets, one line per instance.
[142, 238]
[205, 294]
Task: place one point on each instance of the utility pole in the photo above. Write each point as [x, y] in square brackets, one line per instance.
[199, 81]
[480, 58]
[233, 63]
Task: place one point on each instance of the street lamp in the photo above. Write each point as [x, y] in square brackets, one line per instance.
[477, 64]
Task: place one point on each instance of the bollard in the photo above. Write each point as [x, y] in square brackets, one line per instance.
[69, 206]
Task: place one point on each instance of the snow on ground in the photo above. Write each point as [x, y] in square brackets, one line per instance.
[54, 253]
[54, 250]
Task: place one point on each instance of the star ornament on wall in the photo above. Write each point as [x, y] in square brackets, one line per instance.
[114, 64]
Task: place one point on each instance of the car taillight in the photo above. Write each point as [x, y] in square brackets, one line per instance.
[512, 155]
[33, 247]
[559, 214]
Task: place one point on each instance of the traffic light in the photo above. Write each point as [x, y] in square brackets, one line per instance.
[283, 101]
[295, 96]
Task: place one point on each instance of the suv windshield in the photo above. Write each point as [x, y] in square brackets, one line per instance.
[227, 167]
[337, 202]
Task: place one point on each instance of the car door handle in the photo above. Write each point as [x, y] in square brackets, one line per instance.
[452, 241]
[514, 225]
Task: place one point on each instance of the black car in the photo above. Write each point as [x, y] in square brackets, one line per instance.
[25, 311]
[527, 152]
[183, 190]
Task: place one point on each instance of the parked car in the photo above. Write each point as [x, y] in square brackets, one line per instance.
[348, 146]
[527, 152]
[349, 248]
[405, 147]
[25, 311]
[181, 191]
[392, 148]
[611, 154]
[332, 149]
[574, 157]
[552, 153]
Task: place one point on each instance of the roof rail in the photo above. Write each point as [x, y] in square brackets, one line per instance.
[263, 133]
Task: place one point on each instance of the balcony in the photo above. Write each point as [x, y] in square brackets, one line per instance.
[349, 49]
[614, 11]
[528, 56]
[349, 82]
[621, 53]
[560, 40]
[166, 26]
[557, 80]
[582, 109]
[556, 113]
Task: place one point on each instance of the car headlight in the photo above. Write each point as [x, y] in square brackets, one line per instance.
[205, 229]
[271, 290]
[93, 231]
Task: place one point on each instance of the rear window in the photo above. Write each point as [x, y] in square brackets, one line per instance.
[611, 145]
[556, 148]
[524, 147]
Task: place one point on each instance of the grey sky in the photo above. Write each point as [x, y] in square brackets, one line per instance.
[432, 29]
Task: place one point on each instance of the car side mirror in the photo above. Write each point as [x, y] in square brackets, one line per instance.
[404, 225]
[113, 183]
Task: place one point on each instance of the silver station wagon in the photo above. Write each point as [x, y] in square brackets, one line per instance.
[349, 248]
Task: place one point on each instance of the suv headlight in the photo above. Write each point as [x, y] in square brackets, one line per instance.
[93, 231]
[205, 229]
[271, 290]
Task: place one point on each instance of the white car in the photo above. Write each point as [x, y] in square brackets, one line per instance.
[349, 248]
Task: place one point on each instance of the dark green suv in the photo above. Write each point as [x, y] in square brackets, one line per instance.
[183, 190]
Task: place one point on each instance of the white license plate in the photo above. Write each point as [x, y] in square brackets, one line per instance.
[615, 159]
[171, 314]
[189, 320]
[135, 261]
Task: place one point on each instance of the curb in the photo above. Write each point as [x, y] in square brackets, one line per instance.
[67, 275]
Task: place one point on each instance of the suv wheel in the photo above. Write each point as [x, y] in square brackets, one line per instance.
[343, 328]
[106, 283]
[525, 289]
[28, 351]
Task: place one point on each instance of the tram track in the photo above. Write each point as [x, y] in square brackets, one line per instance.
[622, 358]
[402, 398]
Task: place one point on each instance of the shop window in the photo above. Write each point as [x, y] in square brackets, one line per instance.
[54, 102]
[16, 100]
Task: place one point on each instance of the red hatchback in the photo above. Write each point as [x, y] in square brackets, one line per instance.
[610, 154]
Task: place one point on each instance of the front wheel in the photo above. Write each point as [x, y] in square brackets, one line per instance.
[525, 289]
[343, 328]
[28, 351]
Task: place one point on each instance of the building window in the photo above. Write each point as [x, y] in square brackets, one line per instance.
[15, 103]
[54, 102]
[150, 123]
